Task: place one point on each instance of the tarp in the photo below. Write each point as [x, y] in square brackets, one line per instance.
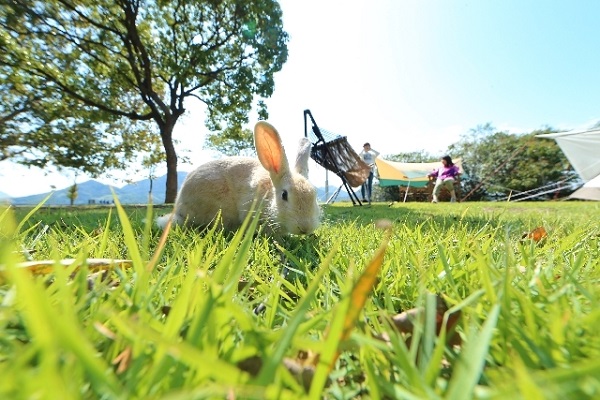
[392, 173]
[589, 191]
[582, 149]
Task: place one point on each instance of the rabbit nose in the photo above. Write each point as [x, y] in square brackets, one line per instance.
[300, 230]
[304, 230]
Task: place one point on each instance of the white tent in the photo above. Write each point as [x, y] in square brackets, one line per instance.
[582, 149]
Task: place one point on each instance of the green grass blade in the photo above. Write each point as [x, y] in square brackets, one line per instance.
[472, 360]
[274, 360]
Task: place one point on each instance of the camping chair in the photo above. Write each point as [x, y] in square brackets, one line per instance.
[334, 153]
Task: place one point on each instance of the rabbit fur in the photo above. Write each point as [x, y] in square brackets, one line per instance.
[231, 185]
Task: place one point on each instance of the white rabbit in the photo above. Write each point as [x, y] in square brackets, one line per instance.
[231, 184]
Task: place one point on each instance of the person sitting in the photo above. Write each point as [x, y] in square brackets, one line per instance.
[445, 176]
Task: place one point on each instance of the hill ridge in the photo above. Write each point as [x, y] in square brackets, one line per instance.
[95, 192]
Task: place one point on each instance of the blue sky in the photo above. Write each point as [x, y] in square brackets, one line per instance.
[415, 75]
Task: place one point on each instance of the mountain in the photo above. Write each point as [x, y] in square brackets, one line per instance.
[137, 192]
[323, 195]
[87, 190]
[94, 192]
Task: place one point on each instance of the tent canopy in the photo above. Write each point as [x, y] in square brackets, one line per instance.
[582, 149]
[589, 191]
[392, 173]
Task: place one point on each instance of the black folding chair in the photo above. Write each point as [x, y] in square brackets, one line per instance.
[334, 153]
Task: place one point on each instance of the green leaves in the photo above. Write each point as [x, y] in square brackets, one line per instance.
[233, 140]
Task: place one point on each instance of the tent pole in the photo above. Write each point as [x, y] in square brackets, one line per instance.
[326, 183]
[406, 192]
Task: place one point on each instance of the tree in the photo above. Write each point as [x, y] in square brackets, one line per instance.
[233, 141]
[473, 165]
[72, 193]
[110, 66]
[149, 162]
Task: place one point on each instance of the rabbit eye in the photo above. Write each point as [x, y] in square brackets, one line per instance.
[284, 195]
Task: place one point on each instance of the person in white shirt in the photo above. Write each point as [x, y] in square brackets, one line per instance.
[368, 155]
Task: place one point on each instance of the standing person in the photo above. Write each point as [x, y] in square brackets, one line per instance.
[445, 177]
[368, 155]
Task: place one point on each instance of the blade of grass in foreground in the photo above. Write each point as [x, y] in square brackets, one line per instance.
[274, 360]
[142, 276]
[435, 363]
[470, 364]
[234, 259]
[33, 211]
[104, 240]
[575, 381]
[41, 317]
[345, 317]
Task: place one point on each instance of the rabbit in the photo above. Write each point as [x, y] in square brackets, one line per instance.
[231, 185]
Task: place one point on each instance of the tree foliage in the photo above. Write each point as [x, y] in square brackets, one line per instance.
[97, 81]
[41, 123]
[72, 193]
[232, 141]
[421, 156]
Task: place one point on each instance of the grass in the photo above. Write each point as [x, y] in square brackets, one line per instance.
[179, 324]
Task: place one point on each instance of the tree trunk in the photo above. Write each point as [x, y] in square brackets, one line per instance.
[166, 133]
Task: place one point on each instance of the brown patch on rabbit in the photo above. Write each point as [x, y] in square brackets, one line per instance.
[231, 185]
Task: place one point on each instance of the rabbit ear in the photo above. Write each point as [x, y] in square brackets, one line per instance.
[269, 148]
[302, 158]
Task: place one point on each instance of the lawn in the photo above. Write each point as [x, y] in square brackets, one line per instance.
[391, 301]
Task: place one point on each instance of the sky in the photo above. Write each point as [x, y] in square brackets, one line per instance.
[410, 75]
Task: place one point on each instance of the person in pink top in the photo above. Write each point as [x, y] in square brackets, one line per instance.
[445, 176]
